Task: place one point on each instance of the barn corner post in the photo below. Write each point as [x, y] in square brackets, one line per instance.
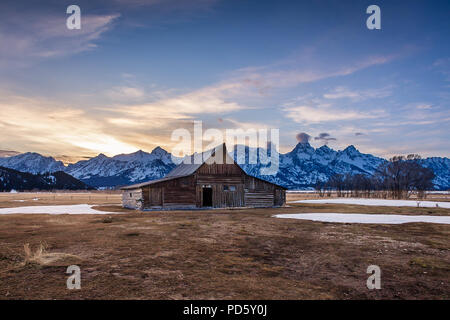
[132, 199]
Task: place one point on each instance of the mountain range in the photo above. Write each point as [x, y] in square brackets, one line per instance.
[11, 179]
[298, 169]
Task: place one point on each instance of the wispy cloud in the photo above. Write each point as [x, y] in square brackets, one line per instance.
[121, 93]
[215, 99]
[303, 137]
[324, 137]
[223, 97]
[168, 4]
[312, 115]
[341, 92]
[442, 66]
[424, 106]
[291, 73]
[40, 125]
[141, 118]
[46, 36]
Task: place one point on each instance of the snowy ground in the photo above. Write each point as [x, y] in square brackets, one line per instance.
[380, 202]
[66, 209]
[365, 218]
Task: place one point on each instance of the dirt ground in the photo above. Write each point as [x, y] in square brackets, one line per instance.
[218, 254]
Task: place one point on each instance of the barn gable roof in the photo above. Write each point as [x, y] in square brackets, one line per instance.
[191, 164]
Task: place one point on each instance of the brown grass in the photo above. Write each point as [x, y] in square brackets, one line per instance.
[223, 254]
[43, 258]
[9, 200]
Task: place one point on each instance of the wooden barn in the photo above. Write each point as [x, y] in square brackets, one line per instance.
[216, 181]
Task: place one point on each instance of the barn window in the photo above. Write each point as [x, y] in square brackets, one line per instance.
[229, 188]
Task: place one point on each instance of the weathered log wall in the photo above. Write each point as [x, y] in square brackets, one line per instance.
[176, 193]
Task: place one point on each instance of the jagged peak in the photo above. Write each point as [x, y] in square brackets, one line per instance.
[30, 154]
[159, 150]
[139, 153]
[351, 149]
[302, 147]
[325, 151]
[100, 156]
[324, 148]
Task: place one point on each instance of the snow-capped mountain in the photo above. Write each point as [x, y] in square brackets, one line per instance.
[32, 162]
[11, 179]
[103, 171]
[300, 168]
[441, 169]
[304, 166]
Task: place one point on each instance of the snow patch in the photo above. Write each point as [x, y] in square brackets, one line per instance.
[60, 209]
[380, 202]
[365, 218]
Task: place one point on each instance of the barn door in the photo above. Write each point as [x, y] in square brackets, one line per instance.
[207, 193]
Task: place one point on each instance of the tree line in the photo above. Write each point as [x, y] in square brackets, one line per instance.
[397, 178]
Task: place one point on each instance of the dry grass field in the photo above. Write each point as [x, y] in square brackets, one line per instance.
[299, 195]
[8, 200]
[217, 254]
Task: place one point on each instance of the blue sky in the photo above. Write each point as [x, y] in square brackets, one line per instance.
[139, 69]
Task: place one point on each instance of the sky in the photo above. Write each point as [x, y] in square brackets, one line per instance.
[139, 69]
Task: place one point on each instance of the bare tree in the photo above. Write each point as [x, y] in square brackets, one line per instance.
[404, 175]
[319, 187]
[398, 178]
[337, 182]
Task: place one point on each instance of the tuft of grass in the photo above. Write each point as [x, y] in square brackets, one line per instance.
[41, 257]
[33, 257]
